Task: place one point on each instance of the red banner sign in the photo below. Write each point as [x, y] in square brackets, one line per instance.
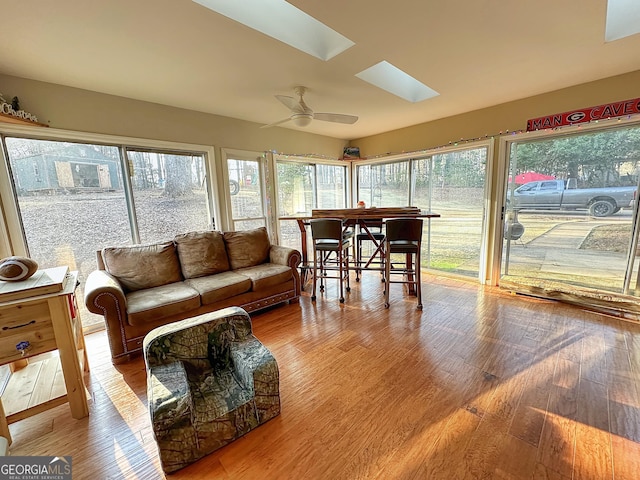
[600, 112]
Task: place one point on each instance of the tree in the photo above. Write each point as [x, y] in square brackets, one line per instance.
[595, 159]
[290, 176]
[178, 175]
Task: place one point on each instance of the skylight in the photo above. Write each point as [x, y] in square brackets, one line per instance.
[623, 19]
[282, 21]
[387, 77]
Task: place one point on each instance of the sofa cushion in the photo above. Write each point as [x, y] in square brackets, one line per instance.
[247, 248]
[153, 304]
[219, 287]
[201, 253]
[143, 266]
[266, 275]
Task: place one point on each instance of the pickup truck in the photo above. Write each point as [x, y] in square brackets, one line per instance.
[555, 195]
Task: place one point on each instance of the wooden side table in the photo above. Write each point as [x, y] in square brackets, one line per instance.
[47, 322]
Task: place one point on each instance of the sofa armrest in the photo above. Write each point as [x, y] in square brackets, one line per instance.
[104, 295]
[285, 256]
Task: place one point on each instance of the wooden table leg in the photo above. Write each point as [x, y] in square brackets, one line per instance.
[4, 426]
[304, 266]
[71, 369]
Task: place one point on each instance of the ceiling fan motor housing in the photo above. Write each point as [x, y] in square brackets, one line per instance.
[302, 119]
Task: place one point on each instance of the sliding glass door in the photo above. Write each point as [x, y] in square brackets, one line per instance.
[570, 218]
[453, 185]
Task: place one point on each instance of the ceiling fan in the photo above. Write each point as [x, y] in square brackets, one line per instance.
[301, 114]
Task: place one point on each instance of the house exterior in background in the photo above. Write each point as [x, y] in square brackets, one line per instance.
[75, 169]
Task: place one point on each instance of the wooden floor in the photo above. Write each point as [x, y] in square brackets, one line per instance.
[480, 384]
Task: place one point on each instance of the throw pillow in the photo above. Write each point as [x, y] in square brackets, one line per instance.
[143, 266]
[201, 253]
[247, 248]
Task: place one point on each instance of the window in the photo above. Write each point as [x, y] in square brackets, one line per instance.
[303, 186]
[246, 190]
[169, 194]
[384, 184]
[72, 199]
[451, 183]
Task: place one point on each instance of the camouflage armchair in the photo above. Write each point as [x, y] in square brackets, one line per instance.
[210, 381]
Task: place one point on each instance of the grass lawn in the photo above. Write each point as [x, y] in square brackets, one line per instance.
[608, 238]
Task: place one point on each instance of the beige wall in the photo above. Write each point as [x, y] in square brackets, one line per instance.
[82, 110]
[510, 116]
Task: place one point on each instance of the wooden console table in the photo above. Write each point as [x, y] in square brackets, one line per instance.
[47, 322]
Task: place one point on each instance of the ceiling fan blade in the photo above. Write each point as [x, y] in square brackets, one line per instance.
[276, 123]
[335, 117]
[291, 103]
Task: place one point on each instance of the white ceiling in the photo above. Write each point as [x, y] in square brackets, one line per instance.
[475, 53]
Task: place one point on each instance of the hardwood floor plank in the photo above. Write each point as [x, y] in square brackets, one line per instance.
[618, 363]
[593, 405]
[506, 397]
[479, 384]
[542, 472]
[593, 453]
[564, 396]
[490, 452]
[594, 366]
[624, 420]
[445, 459]
[626, 458]
[557, 444]
[529, 416]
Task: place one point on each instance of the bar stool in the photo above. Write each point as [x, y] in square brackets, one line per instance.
[403, 235]
[370, 230]
[328, 238]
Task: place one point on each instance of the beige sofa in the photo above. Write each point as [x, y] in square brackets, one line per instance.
[138, 288]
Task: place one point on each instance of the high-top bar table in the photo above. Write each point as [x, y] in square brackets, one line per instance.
[353, 216]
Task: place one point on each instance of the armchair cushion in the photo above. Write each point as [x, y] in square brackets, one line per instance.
[138, 267]
[219, 394]
[201, 253]
[247, 248]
